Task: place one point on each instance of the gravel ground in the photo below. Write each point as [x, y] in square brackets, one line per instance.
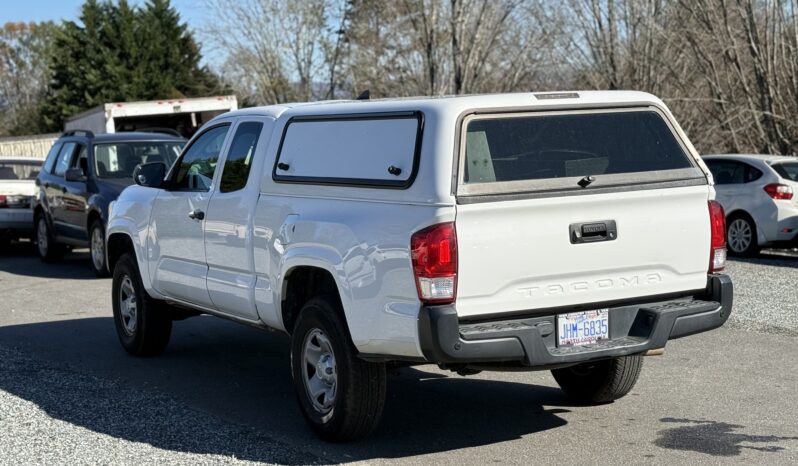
[220, 394]
[765, 293]
[41, 423]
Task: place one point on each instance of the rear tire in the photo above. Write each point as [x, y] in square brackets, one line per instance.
[349, 392]
[46, 246]
[143, 324]
[741, 236]
[97, 249]
[601, 381]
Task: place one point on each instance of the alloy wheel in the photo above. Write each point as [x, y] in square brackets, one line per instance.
[740, 235]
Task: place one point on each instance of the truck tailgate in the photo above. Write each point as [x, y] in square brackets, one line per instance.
[518, 255]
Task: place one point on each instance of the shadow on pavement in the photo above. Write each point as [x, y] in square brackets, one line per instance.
[21, 259]
[240, 375]
[714, 438]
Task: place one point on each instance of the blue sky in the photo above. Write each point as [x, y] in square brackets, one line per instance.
[55, 10]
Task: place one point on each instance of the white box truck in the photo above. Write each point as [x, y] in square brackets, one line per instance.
[184, 116]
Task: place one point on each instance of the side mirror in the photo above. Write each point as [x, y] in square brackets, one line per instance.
[150, 175]
[75, 174]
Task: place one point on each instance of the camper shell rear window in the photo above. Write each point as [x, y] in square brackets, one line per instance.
[370, 150]
[555, 151]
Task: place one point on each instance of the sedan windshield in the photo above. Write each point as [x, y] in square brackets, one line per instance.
[19, 170]
[787, 170]
[118, 159]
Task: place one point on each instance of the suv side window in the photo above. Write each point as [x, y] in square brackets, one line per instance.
[51, 157]
[195, 169]
[239, 157]
[82, 160]
[731, 172]
[64, 158]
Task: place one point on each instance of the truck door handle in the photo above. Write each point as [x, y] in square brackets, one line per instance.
[196, 214]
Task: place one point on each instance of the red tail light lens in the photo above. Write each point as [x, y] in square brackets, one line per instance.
[717, 254]
[779, 191]
[434, 255]
[3, 202]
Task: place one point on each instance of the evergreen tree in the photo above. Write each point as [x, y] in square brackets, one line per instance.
[122, 53]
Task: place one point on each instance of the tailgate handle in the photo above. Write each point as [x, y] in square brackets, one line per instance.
[592, 232]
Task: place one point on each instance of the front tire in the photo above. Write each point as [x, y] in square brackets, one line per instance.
[143, 324]
[97, 249]
[601, 381]
[741, 237]
[49, 250]
[341, 396]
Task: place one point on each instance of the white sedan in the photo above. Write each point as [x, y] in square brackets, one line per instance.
[17, 187]
[760, 196]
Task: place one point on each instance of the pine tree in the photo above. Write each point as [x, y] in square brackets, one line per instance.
[124, 53]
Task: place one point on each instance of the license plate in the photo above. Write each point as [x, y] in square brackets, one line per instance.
[583, 328]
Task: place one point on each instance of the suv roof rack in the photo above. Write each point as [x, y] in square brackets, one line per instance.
[169, 131]
[73, 132]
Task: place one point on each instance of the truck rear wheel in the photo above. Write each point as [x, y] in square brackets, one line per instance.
[142, 323]
[46, 246]
[600, 381]
[341, 396]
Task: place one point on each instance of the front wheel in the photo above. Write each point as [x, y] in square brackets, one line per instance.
[340, 395]
[600, 381]
[143, 324]
[97, 249]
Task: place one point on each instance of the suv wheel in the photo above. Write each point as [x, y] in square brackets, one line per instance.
[341, 395]
[741, 236]
[97, 249]
[143, 324]
[600, 381]
[46, 246]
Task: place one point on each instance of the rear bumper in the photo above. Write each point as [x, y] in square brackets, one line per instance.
[16, 222]
[531, 341]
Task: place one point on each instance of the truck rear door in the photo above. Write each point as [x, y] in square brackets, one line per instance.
[576, 210]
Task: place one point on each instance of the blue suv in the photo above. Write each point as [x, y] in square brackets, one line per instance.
[82, 174]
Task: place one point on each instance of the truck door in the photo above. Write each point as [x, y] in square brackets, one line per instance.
[176, 245]
[229, 221]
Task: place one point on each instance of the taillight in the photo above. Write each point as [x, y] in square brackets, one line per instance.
[717, 252]
[434, 255]
[3, 202]
[779, 191]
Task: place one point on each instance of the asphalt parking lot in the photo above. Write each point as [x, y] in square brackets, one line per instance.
[221, 393]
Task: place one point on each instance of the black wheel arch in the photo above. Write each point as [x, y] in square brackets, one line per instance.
[117, 245]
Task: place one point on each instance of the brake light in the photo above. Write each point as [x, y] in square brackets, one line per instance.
[434, 255]
[717, 252]
[3, 202]
[779, 191]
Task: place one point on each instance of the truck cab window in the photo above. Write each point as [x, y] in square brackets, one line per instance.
[239, 157]
[194, 171]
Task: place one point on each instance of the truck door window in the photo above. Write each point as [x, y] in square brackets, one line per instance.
[239, 157]
[194, 171]
[64, 158]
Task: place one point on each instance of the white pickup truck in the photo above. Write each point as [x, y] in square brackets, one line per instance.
[571, 232]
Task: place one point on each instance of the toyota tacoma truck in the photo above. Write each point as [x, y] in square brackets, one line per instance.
[573, 232]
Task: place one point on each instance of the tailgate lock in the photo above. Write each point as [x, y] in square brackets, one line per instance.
[592, 232]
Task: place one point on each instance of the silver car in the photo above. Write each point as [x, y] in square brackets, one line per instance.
[17, 187]
[760, 196]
